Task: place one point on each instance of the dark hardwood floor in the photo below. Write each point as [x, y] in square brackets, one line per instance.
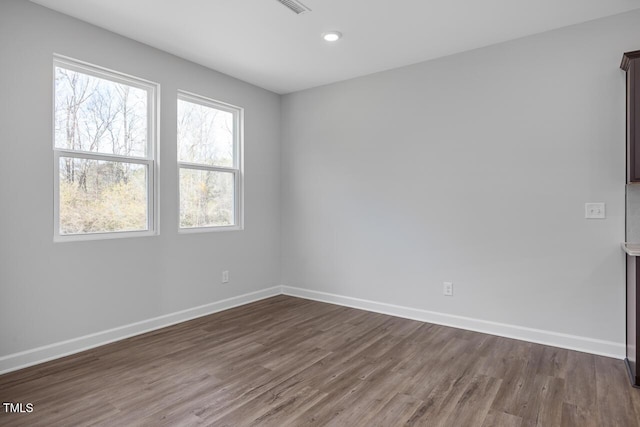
[289, 361]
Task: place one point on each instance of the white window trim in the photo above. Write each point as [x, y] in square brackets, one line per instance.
[237, 170]
[151, 161]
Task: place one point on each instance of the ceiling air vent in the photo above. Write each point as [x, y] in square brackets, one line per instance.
[295, 6]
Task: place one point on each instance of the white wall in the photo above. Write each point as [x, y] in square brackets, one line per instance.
[472, 168]
[51, 292]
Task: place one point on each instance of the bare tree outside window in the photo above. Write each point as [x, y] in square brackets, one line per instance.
[101, 141]
[208, 162]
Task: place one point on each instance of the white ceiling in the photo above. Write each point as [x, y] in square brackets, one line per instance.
[262, 42]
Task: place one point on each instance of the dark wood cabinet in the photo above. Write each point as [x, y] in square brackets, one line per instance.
[631, 64]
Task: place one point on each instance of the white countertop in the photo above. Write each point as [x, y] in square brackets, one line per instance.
[632, 249]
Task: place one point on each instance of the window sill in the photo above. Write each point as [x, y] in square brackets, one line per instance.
[209, 229]
[102, 236]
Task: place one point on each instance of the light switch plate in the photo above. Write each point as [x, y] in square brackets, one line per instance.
[594, 210]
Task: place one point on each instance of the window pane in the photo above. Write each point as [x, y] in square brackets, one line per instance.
[205, 135]
[98, 115]
[102, 196]
[206, 198]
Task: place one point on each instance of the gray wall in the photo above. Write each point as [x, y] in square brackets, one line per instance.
[52, 292]
[472, 168]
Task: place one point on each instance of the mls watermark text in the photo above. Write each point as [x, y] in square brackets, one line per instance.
[17, 408]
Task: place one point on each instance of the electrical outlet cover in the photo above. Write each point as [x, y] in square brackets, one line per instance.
[447, 289]
[594, 210]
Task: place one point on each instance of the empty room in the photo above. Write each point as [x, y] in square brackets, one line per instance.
[319, 212]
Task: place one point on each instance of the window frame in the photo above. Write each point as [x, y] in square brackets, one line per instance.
[151, 161]
[238, 162]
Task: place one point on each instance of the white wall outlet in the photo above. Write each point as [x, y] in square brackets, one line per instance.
[225, 276]
[594, 210]
[447, 289]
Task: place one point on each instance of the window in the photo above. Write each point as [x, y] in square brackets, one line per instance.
[104, 151]
[209, 164]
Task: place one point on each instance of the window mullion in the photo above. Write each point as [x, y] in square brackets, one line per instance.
[102, 157]
[185, 165]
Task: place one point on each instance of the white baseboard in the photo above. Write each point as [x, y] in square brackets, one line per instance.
[572, 342]
[15, 361]
[23, 359]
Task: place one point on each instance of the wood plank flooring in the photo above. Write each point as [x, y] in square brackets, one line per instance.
[286, 361]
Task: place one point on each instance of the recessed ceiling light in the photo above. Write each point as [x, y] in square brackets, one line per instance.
[332, 36]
